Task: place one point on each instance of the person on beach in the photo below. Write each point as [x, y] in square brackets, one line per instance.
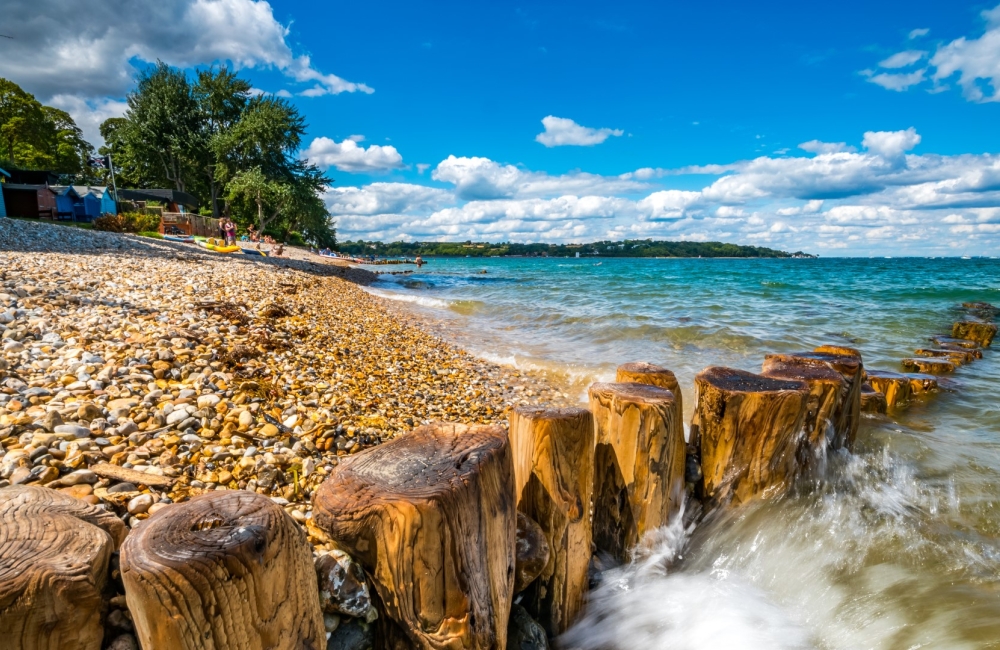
[230, 233]
[252, 233]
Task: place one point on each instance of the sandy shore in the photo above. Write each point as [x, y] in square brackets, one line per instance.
[136, 372]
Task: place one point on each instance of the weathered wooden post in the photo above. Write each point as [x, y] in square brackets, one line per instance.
[638, 463]
[431, 517]
[227, 570]
[554, 481]
[749, 428]
[54, 554]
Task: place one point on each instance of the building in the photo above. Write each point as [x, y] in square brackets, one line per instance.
[33, 177]
[3, 175]
[94, 202]
[66, 201]
[37, 201]
[172, 200]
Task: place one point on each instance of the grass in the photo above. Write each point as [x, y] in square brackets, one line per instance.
[150, 233]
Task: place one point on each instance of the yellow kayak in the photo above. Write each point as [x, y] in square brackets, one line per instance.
[218, 246]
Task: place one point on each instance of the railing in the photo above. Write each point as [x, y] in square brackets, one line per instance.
[189, 224]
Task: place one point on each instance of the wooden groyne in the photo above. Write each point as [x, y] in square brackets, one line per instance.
[453, 535]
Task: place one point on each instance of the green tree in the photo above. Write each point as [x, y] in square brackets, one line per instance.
[71, 152]
[267, 135]
[23, 127]
[163, 125]
[222, 99]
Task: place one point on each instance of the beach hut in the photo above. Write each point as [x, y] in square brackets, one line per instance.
[95, 201]
[29, 201]
[66, 201]
[3, 210]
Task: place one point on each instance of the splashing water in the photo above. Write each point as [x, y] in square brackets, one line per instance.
[893, 547]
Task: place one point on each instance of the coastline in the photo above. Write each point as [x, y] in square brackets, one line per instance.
[212, 372]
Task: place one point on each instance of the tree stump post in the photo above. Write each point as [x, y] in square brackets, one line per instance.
[749, 428]
[227, 570]
[895, 386]
[54, 555]
[638, 463]
[554, 481]
[646, 373]
[978, 331]
[828, 414]
[431, 517]
[872, 401]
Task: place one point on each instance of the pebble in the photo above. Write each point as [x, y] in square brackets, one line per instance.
[229, 379]
[140, 504]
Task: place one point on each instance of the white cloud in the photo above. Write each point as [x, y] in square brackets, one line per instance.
[817, 146]
[89, 114]
[478, 178]
[348, 156]
[917, 33]
[975, 61]
[883, 199]
[891, 144]
[897, 81]
[85, 48]
[902, 59]
[561, 131]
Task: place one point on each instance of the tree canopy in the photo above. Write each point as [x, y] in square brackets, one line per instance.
[34, 136]
[213, 138]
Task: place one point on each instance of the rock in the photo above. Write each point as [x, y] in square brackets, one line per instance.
[523, 632]
[352, 634]
[124, 642]
[532, 552]
[177, 416]
[140, 504]
[269, 430]
[52, 420]
[208, 401]
[73, 429]
[245, 419]
[122, 403]
[343, 588]
[88, 412]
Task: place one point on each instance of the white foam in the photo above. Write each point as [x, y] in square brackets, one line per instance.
[645, 607]
[423, 301]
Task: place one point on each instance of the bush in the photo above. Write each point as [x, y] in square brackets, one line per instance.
[127, 222]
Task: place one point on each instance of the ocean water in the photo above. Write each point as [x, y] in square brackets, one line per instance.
[895, 546]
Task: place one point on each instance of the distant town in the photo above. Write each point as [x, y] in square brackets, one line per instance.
[627, 248]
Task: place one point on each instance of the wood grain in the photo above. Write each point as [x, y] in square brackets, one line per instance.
[638, 463]
[54, 554]
[554, 480]
[227, 570]
[749, 428]
[431, 517]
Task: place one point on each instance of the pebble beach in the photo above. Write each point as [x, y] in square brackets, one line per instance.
[137, 373]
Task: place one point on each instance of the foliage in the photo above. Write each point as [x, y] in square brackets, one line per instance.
[137, 222]
[151, 234]
[214, 139]
[33, 136]
[627, 248]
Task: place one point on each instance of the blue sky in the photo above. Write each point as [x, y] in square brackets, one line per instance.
[846, 128]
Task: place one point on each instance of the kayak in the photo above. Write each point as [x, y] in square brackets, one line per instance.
[179, 238]
[212, 245]
[254, 251]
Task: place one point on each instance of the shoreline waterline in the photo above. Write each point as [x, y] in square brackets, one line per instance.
[894, 546]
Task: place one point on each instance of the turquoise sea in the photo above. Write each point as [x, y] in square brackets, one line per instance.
[897, 546]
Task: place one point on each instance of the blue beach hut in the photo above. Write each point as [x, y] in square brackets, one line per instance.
[3, 209]
[66, 199]
[95, 201]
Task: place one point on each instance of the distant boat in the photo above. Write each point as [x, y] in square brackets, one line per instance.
[966, 257]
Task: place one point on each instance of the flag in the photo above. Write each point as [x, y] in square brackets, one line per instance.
[104, 162]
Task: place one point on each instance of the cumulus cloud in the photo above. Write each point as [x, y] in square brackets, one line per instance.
[349, 156]
[974, 61]
[562, 131]
[86, 48]
[878, 199]
[917, 33]
[478, 178]
[902, 59]
[817, 146]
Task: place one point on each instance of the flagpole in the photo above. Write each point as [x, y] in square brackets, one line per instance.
[114, 185]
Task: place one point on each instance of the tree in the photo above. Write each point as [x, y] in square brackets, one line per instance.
[163, 124]
[267, 135]
[23, 128]
[222, 98]
[270, 197]
[70, 150]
